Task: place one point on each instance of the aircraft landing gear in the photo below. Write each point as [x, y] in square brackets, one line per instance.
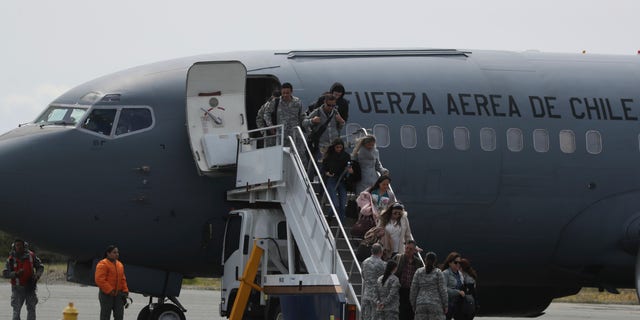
[162, 310]
[144, 313]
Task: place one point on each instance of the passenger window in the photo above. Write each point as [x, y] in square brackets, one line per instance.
[515, 142]
[100, 121]
[567, 141]
[408, 136]
[594, 142]
[381, 132]
[541, 140]
[461, 138]
[435, 137]
[488, 139]
[133, 119]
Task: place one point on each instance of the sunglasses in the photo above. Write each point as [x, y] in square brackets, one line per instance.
[397, 206]
[455, 262]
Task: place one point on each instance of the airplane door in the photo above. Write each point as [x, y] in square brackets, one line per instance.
[215, 112]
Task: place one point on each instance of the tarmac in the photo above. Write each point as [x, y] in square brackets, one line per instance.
[203, 305]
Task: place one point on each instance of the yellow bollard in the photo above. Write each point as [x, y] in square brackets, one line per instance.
[70, 313]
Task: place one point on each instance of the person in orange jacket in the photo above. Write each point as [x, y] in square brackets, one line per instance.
[112, 282]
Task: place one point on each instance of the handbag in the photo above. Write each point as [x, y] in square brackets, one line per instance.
[364, 224]
[468, 308]
[364, 248]
[352, 209]
[314, 136]
[353, 179]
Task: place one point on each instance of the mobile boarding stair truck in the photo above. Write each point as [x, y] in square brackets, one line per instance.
[307, 268]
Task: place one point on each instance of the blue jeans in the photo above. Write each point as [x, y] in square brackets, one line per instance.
[338, 193]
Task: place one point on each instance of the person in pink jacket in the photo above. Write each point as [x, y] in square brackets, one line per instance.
[376, 198]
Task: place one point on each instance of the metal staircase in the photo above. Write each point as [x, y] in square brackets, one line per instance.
[324, 249]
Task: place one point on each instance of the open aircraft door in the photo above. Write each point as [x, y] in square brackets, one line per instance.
[215, 113]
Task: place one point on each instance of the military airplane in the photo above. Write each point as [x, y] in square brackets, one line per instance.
[527, 163]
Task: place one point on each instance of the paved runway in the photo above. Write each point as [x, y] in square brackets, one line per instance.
[203, 305]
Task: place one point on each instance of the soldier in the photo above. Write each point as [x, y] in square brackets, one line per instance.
[428, 292]
[289, 112]
[275, 99]
[24, 269]
[388, 293]
[372, 268]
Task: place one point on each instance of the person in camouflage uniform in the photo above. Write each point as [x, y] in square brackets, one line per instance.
[290, 114]
[289, 111]
[372, 268]
[389, 293]
[260, 116]
[428, 293]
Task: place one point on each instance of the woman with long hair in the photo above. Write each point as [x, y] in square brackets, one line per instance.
[335, 166]
[377, 197]
[388, 293]
[470, 287]
[455, 279]
[428, 292]
[394, 219]
[367, 155]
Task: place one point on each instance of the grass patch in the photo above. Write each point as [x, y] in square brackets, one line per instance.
[55, 267]
[202, 283]
[592, 295]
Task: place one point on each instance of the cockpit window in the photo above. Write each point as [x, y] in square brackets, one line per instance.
[133, 119]
[100, 121]
[118, 121]
[61, 115]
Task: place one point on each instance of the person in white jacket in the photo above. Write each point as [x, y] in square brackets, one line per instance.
[394, 219]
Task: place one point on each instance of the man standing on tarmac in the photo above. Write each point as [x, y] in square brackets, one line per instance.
[24, 269]
[408, 264]
[372, 268]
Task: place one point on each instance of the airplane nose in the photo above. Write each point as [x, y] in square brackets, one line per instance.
[12, 184]
[23, 167]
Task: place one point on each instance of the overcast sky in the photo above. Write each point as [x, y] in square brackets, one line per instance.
[48, 47]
